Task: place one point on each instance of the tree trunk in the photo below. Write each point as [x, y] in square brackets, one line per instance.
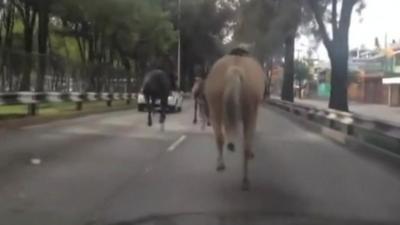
[267, 92]
[300, 88]
[287, 87]
[338, 49]
[6, 45]
[128, 69]
[339, 65]
[82, 49]
[26, 77]
[43, 34]
[9, 26]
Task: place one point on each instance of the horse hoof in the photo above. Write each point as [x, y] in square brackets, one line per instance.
[245, 185]
[231, 147]
[194, 122]
[209, 124]
[221, 167]
[149, 124]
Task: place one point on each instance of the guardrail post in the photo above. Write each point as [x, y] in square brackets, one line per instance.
[372, 131]
[32, 109]
[331, 123]
[129, 98]
[79, 106]
[350, 130]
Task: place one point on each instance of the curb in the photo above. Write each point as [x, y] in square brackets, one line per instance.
[347, 141]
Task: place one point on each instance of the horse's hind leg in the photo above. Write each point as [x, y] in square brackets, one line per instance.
[249, 124]
[220, 145]
[202, 114]
[245, 181]
[219, 137]
[149, 110]
[195, 110]
[207, 113]
[164, 104]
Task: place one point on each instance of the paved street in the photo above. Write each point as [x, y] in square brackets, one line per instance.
[111, 169]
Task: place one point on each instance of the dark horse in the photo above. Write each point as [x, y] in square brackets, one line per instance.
[157, 85]
[200, 102]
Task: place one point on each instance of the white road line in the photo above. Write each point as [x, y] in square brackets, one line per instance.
[176, 143]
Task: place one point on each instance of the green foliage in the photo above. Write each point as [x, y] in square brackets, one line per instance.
[266, 24]
[203, 27]
[18, 26]
[135, 34]
[301, 71]
[122, 26]
[65, 46]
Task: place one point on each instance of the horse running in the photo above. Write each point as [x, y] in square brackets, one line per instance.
[234, 90]
[156, 86]
[200, 102]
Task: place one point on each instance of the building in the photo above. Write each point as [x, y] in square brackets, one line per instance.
[378, 79]
[365, 78]
[393, 87]
[392, 76]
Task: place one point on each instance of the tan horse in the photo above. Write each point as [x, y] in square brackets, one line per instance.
[234, 90]
[200, 102]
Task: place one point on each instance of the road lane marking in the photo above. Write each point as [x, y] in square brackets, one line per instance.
[176, 143]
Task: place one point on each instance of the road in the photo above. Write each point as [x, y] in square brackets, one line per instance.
[112, 169]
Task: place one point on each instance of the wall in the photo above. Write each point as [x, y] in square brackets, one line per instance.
[394, 95]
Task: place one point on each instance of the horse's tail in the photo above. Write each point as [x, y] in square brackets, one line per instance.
[232, 104]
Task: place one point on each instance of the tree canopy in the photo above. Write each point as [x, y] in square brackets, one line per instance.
[117, 33]
[97, 43]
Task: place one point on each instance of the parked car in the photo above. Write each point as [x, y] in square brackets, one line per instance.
[175, 101]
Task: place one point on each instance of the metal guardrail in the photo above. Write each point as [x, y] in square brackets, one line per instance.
[379, 133]
[33, 99]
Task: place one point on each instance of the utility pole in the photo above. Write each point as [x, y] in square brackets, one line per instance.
[179, 47]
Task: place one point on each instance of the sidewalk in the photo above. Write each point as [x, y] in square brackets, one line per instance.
[380, 112]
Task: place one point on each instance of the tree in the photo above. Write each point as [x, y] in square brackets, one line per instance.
[301, 74]
[95, 40]
[27, 10]
[7, 23]
[336, 44]
[43, 34]
[272, 26]
[201, 38]
[287, 93]
[137, 38]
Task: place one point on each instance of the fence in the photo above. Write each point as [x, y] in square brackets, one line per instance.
[33, 99]
[367, 130]
[20, 71]
[31, 79]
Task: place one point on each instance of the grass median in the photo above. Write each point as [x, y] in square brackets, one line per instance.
[10, 112]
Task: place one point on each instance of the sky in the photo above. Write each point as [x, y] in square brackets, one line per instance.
[379, 17]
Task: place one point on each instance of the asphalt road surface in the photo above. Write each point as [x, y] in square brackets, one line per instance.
[111, 169]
